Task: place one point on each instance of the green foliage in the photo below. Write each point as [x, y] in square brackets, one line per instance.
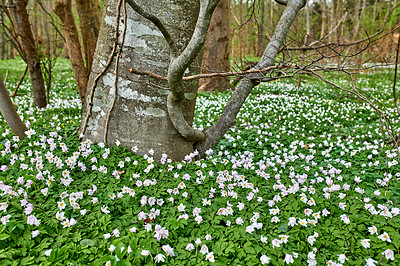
[301, 175]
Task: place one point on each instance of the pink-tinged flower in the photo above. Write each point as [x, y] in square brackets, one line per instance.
[370, 262]
[181, 207]
[116, 233]
[284, 238]
[105, 209]
[385, 237]
[3, 168]
[288, 259]
[373, 230]
[5, 219]
[276, 243]
[32, 220]
[145, 252]
[133, 229]
[112, 248]
[35, 233]
[389, 254]
[198, 241]
[365, 243]
[239, 221]
[208, 237]
[275, 220]
[264, 259]
[106, 236]
[210, 257]
[3, 206]
[264, 239]
[159, 258]
[345, 219]
[250, 229]
[148, 227]
[169, 250]
[190, 247]
[72, 222]
[48, 252]
[204, 249]
[292, 221]
[198, 219]
[342, 258]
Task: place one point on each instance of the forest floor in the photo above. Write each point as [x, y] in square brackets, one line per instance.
[303, 177]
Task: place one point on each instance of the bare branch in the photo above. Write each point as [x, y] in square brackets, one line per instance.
[116, 74]
[216, 132]
[368, 38]
[332, 31]
[180, 64]
[158, 23]
[282, 2]
[395, 76]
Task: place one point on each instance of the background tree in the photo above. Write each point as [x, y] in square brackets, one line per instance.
[30, 51]
[63, 9]
[89, 12]
[216, 49]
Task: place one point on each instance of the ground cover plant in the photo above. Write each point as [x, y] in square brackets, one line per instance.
[302, 178]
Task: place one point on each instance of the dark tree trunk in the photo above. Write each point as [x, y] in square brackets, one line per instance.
[216, 49]
[89, 15]
[63, 10]
[31, 53]
[261, 40]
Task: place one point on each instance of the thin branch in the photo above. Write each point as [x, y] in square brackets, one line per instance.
[158, 23]
[19, 82]
[347, 244]
[395, 76]
[96, 79]
[211, 75]
[116, 74]
[332, 31]
[305, 48]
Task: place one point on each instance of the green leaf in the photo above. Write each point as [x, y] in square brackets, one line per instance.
[87, 242]
[283, 227]
[4, 236]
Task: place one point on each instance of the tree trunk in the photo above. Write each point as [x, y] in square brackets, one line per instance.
[10, 115]
[356, 21]
[324, 18]
[216, 49]
[261, 40]
[139, 115]
[63, 10]
[308, 23]
[90, 19]
[31, 54]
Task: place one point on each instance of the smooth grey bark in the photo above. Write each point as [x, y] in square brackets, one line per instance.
[10, 115]
[139, 116]
[142, 114]
[227, 119]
